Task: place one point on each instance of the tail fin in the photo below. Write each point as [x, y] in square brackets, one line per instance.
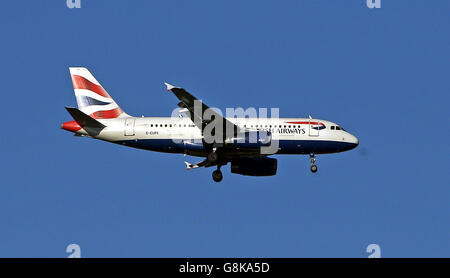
[92, 99]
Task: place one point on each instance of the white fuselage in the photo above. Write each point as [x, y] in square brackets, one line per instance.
[179, 134]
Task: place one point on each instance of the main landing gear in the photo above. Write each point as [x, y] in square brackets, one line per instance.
[212, 158]
[312, 158]
[217, 175]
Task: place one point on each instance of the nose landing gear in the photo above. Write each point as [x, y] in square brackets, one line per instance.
[312, 158]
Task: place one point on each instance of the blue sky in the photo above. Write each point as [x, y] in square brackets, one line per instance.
[383, 74]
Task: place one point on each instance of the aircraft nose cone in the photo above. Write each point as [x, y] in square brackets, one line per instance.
[354, 141]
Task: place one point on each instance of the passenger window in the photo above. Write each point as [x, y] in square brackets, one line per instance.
[332, 127]
[166, 125]
[151, 125]
[338, 128]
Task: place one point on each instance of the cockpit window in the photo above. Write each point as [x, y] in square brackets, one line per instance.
[336, 127]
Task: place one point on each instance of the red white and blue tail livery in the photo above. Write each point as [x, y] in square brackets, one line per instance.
[92, 98]
[246, 143]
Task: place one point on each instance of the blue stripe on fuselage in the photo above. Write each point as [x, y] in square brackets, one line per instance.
[285, 146]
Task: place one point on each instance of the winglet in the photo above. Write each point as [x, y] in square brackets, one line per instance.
[188, 165]
[169, 87]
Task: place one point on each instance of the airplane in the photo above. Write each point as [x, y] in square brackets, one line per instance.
[245, 143]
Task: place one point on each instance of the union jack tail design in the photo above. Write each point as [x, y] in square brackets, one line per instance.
[92, 99]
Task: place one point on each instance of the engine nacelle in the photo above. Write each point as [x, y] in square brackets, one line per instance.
[262, 166]
[251, 139]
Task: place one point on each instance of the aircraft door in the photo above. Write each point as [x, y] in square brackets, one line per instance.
[314, 127]
[129, 126]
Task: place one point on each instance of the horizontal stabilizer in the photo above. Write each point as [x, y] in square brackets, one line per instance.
[91, 125]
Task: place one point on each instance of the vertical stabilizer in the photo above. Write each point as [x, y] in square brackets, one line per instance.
[92, 98]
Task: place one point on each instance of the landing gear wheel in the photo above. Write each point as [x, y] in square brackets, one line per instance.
[217, 175]
[312, 158]
[213, 157]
